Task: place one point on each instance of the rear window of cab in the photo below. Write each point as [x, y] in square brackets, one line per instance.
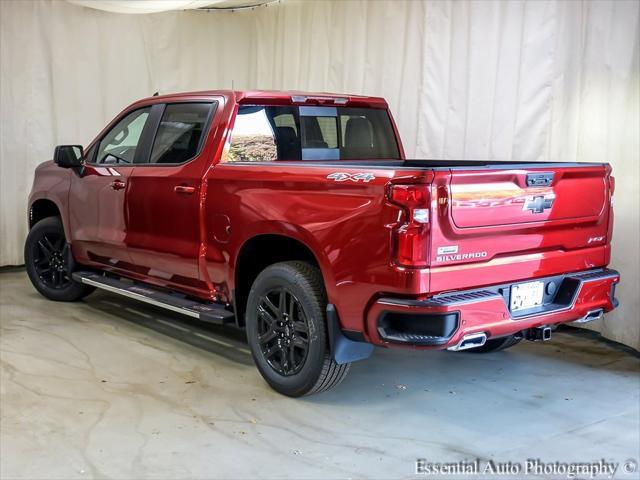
[270, 133]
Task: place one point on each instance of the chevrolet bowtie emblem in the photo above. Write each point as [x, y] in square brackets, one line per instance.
[538, 204]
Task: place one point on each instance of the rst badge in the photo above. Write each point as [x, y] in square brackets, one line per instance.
[353, 177]
[448, 250]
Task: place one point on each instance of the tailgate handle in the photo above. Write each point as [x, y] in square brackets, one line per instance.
[542, 179]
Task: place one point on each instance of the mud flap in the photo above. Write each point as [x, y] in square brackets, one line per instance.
[342, 349]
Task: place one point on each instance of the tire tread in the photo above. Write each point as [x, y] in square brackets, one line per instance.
[74, 291]
[331, 373]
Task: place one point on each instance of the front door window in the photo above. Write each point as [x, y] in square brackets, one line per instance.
[120, 145]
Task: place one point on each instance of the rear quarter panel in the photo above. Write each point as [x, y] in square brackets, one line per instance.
[347, 225]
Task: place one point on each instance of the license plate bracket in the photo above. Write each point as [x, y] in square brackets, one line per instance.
[525, 296]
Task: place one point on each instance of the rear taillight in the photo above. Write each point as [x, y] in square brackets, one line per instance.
[411, 237]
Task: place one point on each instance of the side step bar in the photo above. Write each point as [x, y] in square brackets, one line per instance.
[206, 312]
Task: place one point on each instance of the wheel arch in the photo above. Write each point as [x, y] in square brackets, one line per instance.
[43, 208]
[260, 251]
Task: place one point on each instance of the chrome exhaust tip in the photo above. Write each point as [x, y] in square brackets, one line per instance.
[473, 340]
[592, 316]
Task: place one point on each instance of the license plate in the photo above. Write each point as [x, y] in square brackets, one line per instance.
[526, 295]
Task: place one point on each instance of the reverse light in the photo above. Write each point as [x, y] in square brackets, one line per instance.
[411, 238]
[421, 215]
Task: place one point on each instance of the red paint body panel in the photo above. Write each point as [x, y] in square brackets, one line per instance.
[51, 184]
[347, 227]
[493, 318]
[190, 239]
[99, 228]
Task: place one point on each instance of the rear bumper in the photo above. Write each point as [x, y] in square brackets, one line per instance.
[443, 320]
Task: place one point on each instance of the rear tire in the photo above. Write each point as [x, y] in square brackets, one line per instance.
[49, 262]
[287, 331]
[496, 344]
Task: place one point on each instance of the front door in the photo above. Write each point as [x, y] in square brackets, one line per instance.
[98, 194]
[164, 198]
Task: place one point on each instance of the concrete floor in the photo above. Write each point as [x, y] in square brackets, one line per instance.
[110, 388]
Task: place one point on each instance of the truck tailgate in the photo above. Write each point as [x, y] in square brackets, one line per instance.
[502, 223]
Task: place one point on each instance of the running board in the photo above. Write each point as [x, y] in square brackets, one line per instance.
[206, 312]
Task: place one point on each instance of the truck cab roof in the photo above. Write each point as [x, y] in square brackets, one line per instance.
[277, 97]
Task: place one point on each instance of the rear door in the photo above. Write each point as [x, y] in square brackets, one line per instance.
[164, 196]
[493, 224]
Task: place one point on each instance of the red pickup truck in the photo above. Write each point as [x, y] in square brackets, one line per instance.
[297, 217]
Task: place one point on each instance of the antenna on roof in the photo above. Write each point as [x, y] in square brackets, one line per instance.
[232, 84]
[155, 94]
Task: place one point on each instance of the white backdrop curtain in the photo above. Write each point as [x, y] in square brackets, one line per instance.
[155, 6]
[537, 80]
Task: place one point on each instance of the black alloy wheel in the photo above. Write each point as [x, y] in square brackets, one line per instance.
[283, 331]
[49, 262]
[287, 330]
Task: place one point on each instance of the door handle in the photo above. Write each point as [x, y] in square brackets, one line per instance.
[184, 189]
[118, 185]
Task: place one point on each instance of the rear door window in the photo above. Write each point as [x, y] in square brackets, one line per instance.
[180, 133]
[265, 133]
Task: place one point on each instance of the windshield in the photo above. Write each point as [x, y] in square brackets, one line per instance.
[262, 133]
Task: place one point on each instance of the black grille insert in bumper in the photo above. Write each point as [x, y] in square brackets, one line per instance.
[417, 328]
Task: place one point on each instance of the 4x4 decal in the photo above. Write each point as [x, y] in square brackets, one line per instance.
[354, 177]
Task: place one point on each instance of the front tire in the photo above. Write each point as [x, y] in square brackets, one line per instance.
[49, 262]
[287, 332]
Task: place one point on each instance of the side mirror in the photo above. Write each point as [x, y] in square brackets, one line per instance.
[68, 156]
